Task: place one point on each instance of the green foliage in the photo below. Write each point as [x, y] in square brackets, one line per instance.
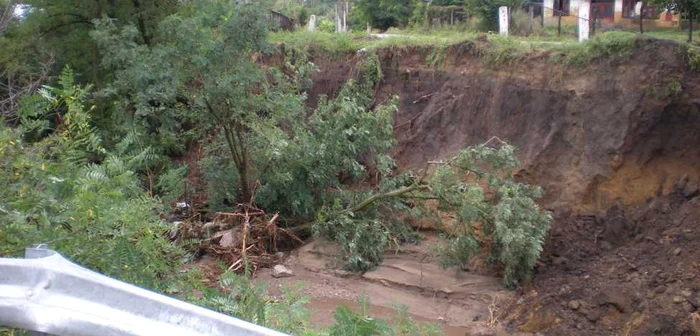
[172, 185]
[352, 323]
[317, 153]
[476, 186]
[487, 11]
[694, 59]
[249, 301]
[609, 46]
[384, 14]
[502, 51]
[510, 217]
[95, 214]
[326, 26]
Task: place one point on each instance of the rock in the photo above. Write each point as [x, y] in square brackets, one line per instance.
[689, 308]
[605, 246]
[281, 271]
[592, 315]
[690, 190]
[227, 239]
[694, 299]
[615, 297]
[686, 293]
[560, 261]
[678, 299]
[660, 289]
[574, 304]
[677, 252]
[586, 277]
[279, 255]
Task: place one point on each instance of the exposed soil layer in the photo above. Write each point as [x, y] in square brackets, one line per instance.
[615, 146]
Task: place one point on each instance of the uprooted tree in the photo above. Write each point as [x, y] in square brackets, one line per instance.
[266, 148]
[472, 197]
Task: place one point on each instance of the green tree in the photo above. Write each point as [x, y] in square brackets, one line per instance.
[53, 192]
[689, 9]
[384, 14]
[477, 186]
[487, 11]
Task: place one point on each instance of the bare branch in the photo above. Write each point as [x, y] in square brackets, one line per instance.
[10, 102]
[6, 15]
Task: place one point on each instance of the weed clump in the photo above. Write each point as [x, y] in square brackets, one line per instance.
[613, 46]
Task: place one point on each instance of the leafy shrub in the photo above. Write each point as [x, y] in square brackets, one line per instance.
[95, 214]
[487, 11]
[326, 26]
[522, 25]
[476, 186]
[694, 59]
[613, 46]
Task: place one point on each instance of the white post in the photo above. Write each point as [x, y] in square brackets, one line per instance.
[503, 20]
[312, 23]
[584, 15]
[345, 17]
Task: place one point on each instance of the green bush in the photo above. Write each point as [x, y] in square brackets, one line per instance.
[95, 214]
[610, 46]
[326, 26]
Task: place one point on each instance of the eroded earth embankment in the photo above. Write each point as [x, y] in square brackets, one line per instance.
[616, 146]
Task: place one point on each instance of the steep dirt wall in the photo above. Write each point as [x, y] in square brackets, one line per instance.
[613, 132]
[616, 146]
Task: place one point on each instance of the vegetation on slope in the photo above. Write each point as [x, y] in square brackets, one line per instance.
[88, 165]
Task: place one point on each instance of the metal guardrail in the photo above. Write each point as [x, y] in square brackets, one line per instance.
[48, 294]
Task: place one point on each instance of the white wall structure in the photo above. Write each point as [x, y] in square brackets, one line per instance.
[341, 16]
[584, 14]
[312, 23]
[503, 20]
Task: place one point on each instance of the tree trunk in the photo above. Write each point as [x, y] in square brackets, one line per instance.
[141, 22]
[690, 28]
[641, 19]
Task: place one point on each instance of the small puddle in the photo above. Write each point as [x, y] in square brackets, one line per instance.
[323, 309]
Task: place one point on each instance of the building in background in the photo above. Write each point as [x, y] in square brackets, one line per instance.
[609, 12]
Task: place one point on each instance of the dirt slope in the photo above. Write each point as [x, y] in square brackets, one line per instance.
[615, 145]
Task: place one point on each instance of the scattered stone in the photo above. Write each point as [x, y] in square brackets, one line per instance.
[690, 190]
[694, 299]
[615, 297]
[688, 307]
[586, 277]
[678, 299]
[574, 304]
[660, 289]
[281, 271]
[677, 252]
[579, 326]
[593, 315]
[560, 261]
[686, 293]
[227, 239]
